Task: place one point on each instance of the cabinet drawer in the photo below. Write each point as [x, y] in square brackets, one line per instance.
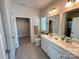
[45, 46]
[73, 57]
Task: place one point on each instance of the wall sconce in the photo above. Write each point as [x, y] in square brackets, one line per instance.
[77, 0]
[53, 11]
[69, 3]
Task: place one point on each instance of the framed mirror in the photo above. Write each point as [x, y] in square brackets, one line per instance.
[72, 23]
[54, 24]
[36, 30]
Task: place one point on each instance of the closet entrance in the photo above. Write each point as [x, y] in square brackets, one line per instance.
[23, 30]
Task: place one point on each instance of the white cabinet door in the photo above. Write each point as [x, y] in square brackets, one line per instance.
[48, 49]
[55, 54]
[45, 46]
[65, 56]
[72, 57]
[52, 53]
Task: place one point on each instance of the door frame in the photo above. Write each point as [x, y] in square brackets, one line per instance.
[17, 41]
[2, 40]
[4, 55]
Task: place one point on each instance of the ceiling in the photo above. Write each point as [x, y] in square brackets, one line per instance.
[37, 4]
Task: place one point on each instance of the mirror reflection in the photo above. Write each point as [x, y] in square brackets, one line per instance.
[72, 23]
[53, 24]
[43, 24]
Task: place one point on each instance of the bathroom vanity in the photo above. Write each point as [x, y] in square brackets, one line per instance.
[55, 48]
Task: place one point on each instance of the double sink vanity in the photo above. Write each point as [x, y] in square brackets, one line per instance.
[61, 47]
[56, 48]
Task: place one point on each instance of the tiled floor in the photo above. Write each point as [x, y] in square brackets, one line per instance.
[29, 51]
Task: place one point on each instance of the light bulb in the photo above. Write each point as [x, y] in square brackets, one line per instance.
[77, 0]
[54, 10]
[69, 4]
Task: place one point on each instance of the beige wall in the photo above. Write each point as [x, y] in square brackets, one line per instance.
[60, 6]
[33, 14]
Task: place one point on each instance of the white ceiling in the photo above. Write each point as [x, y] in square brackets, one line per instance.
[37, 4]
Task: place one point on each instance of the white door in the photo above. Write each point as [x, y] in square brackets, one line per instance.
[8, 35]
[14, 33]
[75, 28]
[5, 15]
[3, 54]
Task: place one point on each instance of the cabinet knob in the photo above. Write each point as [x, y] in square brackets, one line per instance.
[61, 56]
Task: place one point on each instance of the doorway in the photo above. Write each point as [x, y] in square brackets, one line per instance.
[50, 26]
[23, 30]
[68, 26]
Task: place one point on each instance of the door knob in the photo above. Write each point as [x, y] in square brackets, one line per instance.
[61, 56]
[13, 37]
[7, 51]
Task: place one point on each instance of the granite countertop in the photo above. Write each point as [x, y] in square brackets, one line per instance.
[66, 46]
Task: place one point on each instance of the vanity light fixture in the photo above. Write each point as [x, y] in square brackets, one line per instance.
[69, 3]
[53, 11]
[77, 0]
